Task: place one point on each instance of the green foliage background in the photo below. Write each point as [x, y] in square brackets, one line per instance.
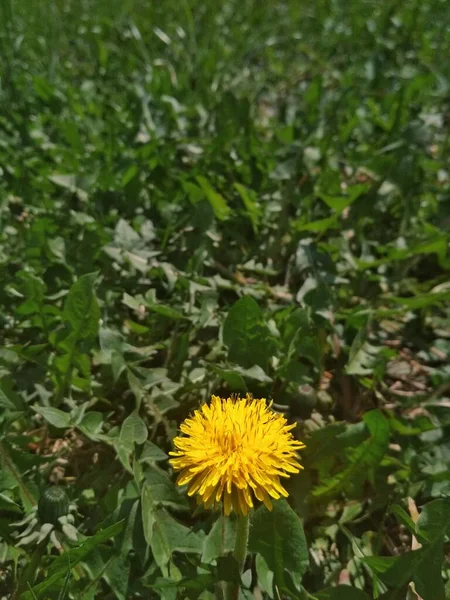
[204, 197]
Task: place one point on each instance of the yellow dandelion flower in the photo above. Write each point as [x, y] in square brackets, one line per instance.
[235, 449]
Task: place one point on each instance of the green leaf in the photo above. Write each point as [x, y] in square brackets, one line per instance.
[214, 545]
[434, 520]
[8, 505]
[350, 512]
[249, 199]
[265, 575]
[118, 569]
[363, 458]
[10, 399]
[256, 373]
[338, 203]
[91, 424]
[341, 592]
[318, 226]
[82, 314]
[54, 416]
[403, 517]
[69, 182]
[245, 333]
[217, 201]
[323, 443]
[166, 311]
[148, 516]
[235, 376]
[33, 289]
[420, 424]
[151, 453]
[437, 245]
[422, 300]
[160, 490]
[422, 566]
[58, 569]
[65, 181]
[81, 309]
[228, 569]
[166, 536]
[5, 402]
[125, 236]
[234, 380]
[110, 341]
[362, 355]
[14, 462]
[278, 536]
[117, 574]
[133, 431]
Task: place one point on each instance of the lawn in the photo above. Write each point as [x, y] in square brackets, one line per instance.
[241, 199]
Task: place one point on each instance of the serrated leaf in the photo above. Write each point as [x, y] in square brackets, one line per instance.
[363, 458]
[362, 355]
[422, 566]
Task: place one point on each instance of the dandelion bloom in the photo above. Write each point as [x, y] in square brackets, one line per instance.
[234, 449]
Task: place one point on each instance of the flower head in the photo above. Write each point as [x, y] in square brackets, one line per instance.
[235, 449]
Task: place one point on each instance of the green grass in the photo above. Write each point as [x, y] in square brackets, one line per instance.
[204, 197]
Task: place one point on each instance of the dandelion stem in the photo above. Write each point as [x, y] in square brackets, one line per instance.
[240, 552]
[240, 545]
